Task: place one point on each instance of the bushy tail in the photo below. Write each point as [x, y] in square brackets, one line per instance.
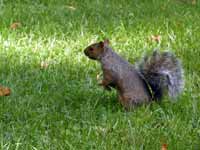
[162, 72]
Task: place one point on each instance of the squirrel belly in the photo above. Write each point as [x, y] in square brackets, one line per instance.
[139, 84]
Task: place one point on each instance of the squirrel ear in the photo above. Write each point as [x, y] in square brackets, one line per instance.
[101, 44]
[106, 42]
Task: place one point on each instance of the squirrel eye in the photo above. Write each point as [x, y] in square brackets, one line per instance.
[91, 49]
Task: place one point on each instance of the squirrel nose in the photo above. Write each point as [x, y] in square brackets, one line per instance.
[85, 52]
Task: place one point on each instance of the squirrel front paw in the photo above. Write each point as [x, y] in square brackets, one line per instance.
[103, 82]
[106, 87]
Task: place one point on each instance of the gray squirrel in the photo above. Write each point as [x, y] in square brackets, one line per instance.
[149, 80]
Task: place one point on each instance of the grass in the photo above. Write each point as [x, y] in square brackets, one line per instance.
[61, 106]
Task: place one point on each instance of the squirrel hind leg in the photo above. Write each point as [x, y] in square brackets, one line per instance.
[157, 92]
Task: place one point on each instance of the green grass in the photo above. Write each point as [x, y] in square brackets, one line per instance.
[62, 107]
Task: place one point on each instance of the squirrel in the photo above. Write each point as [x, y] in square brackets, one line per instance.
[143, 82]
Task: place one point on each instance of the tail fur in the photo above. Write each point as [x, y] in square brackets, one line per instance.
[162, 72]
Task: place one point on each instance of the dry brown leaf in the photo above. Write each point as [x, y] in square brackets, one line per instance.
[15, 25]
[44, 64]
[194, 2]
[4, 91]
[71, 7]
[164, 147]
[156, 38]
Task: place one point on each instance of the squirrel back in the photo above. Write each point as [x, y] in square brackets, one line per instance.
[163, 72]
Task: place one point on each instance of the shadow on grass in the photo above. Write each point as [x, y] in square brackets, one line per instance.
[67, 86]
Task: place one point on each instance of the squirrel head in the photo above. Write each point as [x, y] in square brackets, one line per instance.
[95, 51]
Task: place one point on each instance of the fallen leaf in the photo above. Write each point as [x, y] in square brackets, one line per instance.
[44, 64]
[156, 38]
[164, 147]
[71, 7]
[194, 2]
[4, 91]
[15, 25]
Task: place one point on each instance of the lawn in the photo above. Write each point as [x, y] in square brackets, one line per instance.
[55, 101]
